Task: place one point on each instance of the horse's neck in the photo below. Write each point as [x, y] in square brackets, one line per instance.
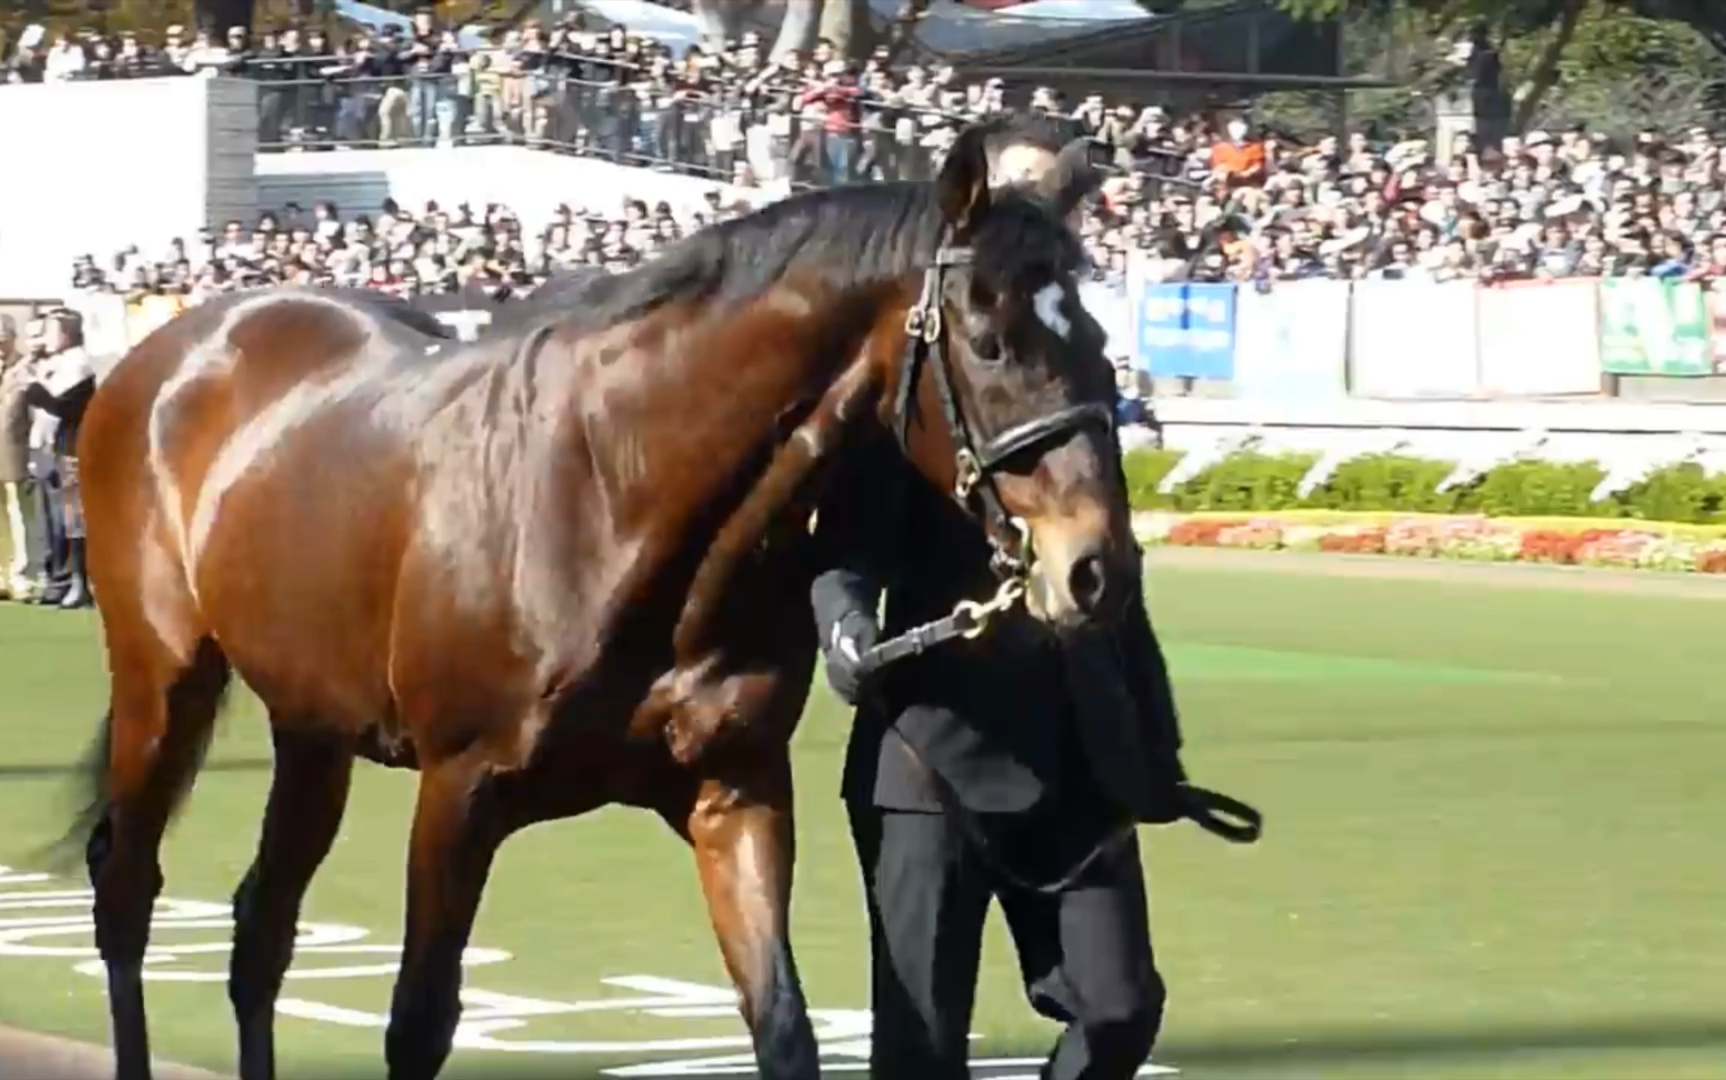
[850, 398]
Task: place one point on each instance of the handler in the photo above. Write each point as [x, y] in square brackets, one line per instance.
[975, 772]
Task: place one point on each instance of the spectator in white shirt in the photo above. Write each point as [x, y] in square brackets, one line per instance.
[66, 60]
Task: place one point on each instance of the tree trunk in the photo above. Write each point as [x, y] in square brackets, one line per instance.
[904, 29]
[1545, 75]
[217, 15]
[719, 21]
[846, 24]
[797, 30]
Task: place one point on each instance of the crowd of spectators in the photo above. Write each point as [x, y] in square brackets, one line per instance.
[1194, 195]
[406, 251]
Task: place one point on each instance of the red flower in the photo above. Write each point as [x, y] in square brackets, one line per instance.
[1201, 532]
[1711, 562]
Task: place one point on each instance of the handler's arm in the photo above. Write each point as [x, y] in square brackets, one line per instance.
[1142, 661]
[40, 396]
[858, 536]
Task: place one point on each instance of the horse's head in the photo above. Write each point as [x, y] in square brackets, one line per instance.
[1001, 350]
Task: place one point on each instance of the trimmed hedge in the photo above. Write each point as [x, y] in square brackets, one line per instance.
[1258, 483]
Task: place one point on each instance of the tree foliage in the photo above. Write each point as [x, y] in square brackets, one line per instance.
[1615, 64]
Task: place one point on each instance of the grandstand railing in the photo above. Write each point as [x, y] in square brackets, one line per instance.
[614, 118]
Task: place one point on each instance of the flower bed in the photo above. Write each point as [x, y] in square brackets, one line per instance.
[1463, 537]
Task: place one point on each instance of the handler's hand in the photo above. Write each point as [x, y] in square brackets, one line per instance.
[851, 637]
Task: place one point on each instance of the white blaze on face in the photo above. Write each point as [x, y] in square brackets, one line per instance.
[1047, 304]
[1020, 163]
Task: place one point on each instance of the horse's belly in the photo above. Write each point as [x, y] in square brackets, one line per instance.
[297, 581]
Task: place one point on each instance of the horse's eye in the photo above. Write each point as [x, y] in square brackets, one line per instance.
[987, 346]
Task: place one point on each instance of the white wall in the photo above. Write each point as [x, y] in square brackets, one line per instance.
[530, 182]
[87, 164]
[1611, 432]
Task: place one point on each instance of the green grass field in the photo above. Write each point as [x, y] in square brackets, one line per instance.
[1493, 850]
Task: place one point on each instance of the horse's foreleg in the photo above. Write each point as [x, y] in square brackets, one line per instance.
[456, 831]
[307, 796]
[741, 829]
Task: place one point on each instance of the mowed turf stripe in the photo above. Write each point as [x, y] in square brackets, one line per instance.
[1234, 663]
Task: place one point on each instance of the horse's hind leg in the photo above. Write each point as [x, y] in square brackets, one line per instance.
[159, 724]
[308, 794]
[740, 824]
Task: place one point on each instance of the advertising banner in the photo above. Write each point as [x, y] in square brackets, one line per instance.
[1291, 342]
[1650, 327]
[1412, 339]
[1540, 338]
[1184, 330]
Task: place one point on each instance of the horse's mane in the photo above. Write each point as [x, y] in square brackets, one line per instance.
[846, 237]
[386, 306]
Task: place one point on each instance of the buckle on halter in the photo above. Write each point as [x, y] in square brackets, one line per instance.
[967, 471]
[914, 322]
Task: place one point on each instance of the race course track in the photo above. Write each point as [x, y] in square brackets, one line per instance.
[26, 1054]
[1493, 798]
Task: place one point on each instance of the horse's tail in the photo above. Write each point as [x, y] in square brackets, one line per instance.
[90, 790]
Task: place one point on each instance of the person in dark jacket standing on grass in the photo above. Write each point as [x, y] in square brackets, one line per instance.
[1011, 767]
[62, 383]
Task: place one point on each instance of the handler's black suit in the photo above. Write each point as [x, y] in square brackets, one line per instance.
[1043, 777]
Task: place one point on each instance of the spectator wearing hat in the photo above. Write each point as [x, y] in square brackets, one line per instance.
[60, 389]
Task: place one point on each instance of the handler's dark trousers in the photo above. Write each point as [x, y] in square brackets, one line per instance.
[1084, 953]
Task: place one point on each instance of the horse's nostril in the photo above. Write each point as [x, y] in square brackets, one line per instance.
[1087, 583]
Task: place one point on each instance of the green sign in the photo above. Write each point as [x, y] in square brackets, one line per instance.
[1650, 327]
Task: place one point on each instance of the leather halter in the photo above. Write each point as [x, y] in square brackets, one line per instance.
[974, 483]
[975, 464]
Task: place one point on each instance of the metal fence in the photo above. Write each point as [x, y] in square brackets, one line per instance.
[621, 118]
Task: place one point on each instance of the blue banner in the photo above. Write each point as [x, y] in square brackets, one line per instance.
[1185, 330]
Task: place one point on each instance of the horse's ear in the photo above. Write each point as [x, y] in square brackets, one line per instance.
[1072, 178]
[963, 186]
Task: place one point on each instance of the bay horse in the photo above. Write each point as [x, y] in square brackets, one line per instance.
[562, 568]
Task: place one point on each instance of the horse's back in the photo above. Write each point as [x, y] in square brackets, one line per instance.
[215, 439]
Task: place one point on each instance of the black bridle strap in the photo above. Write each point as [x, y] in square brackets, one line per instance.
[1036, 432]
[926, 341]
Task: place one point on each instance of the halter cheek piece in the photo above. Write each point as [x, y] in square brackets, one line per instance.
[975, 465]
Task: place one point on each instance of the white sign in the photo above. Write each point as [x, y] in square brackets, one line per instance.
[39, 919]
